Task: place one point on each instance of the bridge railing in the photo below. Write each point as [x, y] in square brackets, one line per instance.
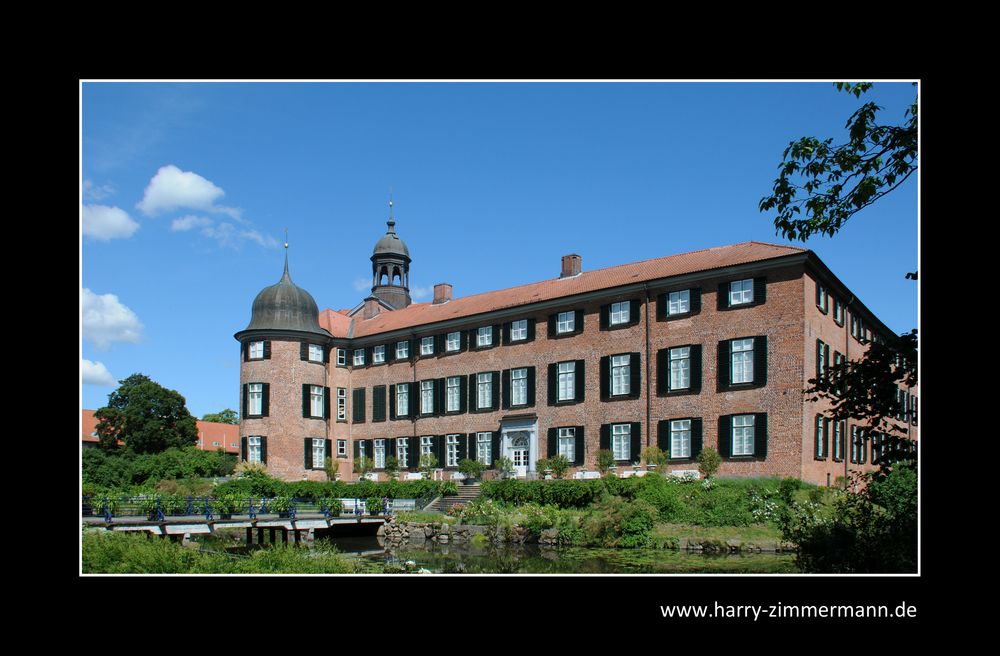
[160, 508]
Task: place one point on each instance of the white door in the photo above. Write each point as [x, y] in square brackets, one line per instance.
[519, 454]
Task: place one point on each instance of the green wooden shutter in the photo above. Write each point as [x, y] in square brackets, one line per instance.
[505, 334]
[552, 324]
[697, 441]
[725, 436]
[440, 396]
[663, 371]
[725, 364]
[605, 437]
[505, 391]
[694, 298]
[531, 387]
[246, 400]
[759, 290]
[439, 450]
[760, 360]
[531, 330]
[578, 322]
[495, 401]
[553, 383]
[760, 435]
[495, 447]
[245, 351]
[358, 410]
[605, 378]
[580, 446]
[327, 450]
[306, 410]
[695, 354]
[308, 453]
[263, 449]
[413, 453]
[303, 351]
[635, 376]
[605, 317]
[662, 304]
[633, 312]
[267, 349]
[392, 402]
[580, 376]
[553, 443]
[723, 296]
[266, 400]
[243, 449]
[663, 436]
[635, 447]
[326, 403]
[473, 398]
[463, 394]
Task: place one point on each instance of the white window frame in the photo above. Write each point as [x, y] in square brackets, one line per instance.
[318, 452]
[621, 382]
[743, 434]
[451, 454]
[453, 389]
[566, 443]
[316, 401]
[484, 336]
[519, 330]
[359, 357]
[621, 441]
[256, 351]
[741, 361]
[426, 446]
[454, 342]
[519, 387]
[426, 397]
[315, 353]
[403, 452]
[824, 302]
[427, 345]
[341, 448]
[741, 292]
[620, 313]
[341, 404]
[378, 354]
[680, 438]
[679, 302]
[255, 449]
[484, 448]
[565, 322]
[379, 455]
[402, 350]
[484, 390]
[566, 380]
[680, 367]
[402, 399]
[255, 400]
[341, 357]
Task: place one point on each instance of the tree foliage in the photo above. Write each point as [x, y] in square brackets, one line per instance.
[866, 389]
[837, 181]
[147, 417]
[227, 416]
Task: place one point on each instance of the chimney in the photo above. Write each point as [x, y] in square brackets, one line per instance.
[570, 265]
[442, 293]
[372, 308]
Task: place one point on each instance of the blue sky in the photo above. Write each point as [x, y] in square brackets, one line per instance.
[187, 188]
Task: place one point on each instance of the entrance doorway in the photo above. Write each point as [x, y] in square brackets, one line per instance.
[519, 452]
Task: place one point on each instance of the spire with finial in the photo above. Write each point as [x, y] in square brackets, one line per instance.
[391, 222]
[286, 276]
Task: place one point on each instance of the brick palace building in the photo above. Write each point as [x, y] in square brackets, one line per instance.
[705, 349]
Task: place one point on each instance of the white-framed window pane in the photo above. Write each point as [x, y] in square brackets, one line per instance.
[379, 454]
[484, 448]
[621, 441]
[454, 341]
[341, 403]
[567, 443]
[679, 302]
[402, 400]
[427, 346]
[743, 434]
[742, 361]
[378, 354]
[566, 322]
[402, 350]
[315, 353]
[519, 387]
[315, 401]
[341, 447]
[359, 357]
[741, 292]
[619, 313]
[403, 452]
[341, 357]
[680, 368]
[426, 445]
[485, 390]
[519, 330]
[319, 452]
[680, 438]
[427, 396]
[567, 381]
[256, 350]
[454, 387]
[620, 374]
[451, 451]
[254, 449]
[484, 336]
[256, 391]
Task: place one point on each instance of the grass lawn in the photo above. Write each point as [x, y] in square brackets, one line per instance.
[754, 533]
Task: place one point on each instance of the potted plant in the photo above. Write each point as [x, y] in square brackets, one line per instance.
[605, 461]
[392, 467]
[362, 466]
[559, 465]
[654, 457]
[227, 504]
[473, 470]
[708, 462]
[428, 463]
[505, 467]
[280, 505]
[373, 505]
[543, 466]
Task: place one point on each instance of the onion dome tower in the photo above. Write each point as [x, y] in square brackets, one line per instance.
[284, 393]
[391, 268]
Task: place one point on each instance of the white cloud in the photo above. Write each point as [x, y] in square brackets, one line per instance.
[362, 284]
[92, 192]
[105, 223]
[95, 373]
[171, 189]
[417, 293]
[264, 240]
[189, 222]
[106, 320]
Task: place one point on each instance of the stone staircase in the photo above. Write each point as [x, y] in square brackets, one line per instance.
[466, 493]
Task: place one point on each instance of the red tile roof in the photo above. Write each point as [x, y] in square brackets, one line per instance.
[419, 314]
[209, 432]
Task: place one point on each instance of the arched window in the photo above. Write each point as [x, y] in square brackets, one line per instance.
[383, 276]
[396, 277]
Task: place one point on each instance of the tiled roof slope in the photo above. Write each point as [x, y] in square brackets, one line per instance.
[425, 313]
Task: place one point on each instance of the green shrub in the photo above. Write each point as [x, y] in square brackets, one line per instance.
[559, 465]
[373, 505]
[709, 461]
[787, 489]
[471, 468]
[605, 459]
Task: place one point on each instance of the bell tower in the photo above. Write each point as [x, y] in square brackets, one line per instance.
[391, 268]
